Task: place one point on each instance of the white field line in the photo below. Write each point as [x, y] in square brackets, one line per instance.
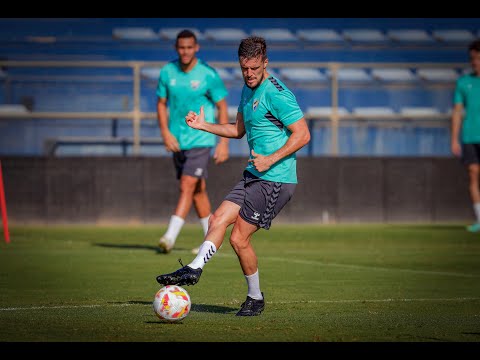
[363, 267]
[236, 302]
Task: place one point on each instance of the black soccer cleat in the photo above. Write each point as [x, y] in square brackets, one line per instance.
[252, 307]
[183, 276]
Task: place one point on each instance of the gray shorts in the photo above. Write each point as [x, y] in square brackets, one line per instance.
[471, 154]
[193, 162]
[260, 200]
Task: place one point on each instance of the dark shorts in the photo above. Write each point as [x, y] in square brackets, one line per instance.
[471, 154]
[193, 162]
[260, 200]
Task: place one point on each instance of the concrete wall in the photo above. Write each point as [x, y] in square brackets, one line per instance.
[111, 190]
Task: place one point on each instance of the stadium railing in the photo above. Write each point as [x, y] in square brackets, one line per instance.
[142, 85]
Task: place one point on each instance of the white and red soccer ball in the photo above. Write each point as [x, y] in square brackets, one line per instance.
[172, 303]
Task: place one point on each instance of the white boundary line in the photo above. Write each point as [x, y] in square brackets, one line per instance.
[236, 302]
[365, 267]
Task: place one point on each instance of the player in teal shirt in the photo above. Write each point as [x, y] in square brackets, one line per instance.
[267, 111]
[185, 84]
[465, 139]
[276, 129]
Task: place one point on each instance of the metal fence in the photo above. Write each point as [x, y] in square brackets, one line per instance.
[132, 85]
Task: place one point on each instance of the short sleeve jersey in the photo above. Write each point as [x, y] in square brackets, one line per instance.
[267, 111]
[467, 93]
[187, 91]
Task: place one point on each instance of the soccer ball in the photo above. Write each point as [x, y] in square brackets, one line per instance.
[172, 303]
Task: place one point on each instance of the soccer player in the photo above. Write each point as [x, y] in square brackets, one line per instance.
[184, 84]
[467, 108]
[276, 129]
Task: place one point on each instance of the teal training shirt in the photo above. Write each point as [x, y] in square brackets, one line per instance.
[267, 111]
[188, 91]
[467, 92]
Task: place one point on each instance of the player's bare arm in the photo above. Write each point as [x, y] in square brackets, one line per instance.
[170, 141]
[222, 151]
[197, 121]
[299, 138]
[456, 124]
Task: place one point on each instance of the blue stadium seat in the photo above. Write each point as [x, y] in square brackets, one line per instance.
[320, 36]
[324, 111]
[351, 74]
[275, 34]
[232, 112]
[372, 111]
[225, 34]
[410, 36]
[151, 73]
[224, 74]
[7, 109]
[437, 74]
[371, 36]
[302, 74]
[170, 33]
[453, 35]
[416, 111]
[135, 33]
[393, 74]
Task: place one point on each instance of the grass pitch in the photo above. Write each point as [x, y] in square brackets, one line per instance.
[357, 283]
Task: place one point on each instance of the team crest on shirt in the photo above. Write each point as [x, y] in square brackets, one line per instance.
[255, 104]
[173, 82]
[194, 84]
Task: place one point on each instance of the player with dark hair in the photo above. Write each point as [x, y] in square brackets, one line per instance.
[276, 129]
[189, 83]
[466, 117]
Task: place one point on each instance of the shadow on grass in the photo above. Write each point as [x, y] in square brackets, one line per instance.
[195, 307]
[136, 246]
[212, 308]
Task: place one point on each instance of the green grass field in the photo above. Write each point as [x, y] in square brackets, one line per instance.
[362, 283]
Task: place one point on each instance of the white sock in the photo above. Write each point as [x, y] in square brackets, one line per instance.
[205, 253]
[476, 207]
[174, 227]
[204, 222]
[253, 282]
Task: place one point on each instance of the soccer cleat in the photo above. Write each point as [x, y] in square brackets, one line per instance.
[183, 276]
[474, 227]
[165, 244]
[252, 307]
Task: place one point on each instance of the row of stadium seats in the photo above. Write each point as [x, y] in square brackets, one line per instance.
[311, 74]
[311, 111]
[316, 35]
[34, 137]
[291, 39]
[291, 73]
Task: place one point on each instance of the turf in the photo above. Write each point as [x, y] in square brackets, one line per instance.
[355, 283]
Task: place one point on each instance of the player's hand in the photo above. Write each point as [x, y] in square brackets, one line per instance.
[171, 143]
[456, 148]
[260, 162]
[221, 153]
[195, 120]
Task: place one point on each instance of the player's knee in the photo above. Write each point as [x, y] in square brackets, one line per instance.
[217, 220]
[187, 188]
[237, 241]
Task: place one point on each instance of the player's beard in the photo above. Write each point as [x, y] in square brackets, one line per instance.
[258, 83]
